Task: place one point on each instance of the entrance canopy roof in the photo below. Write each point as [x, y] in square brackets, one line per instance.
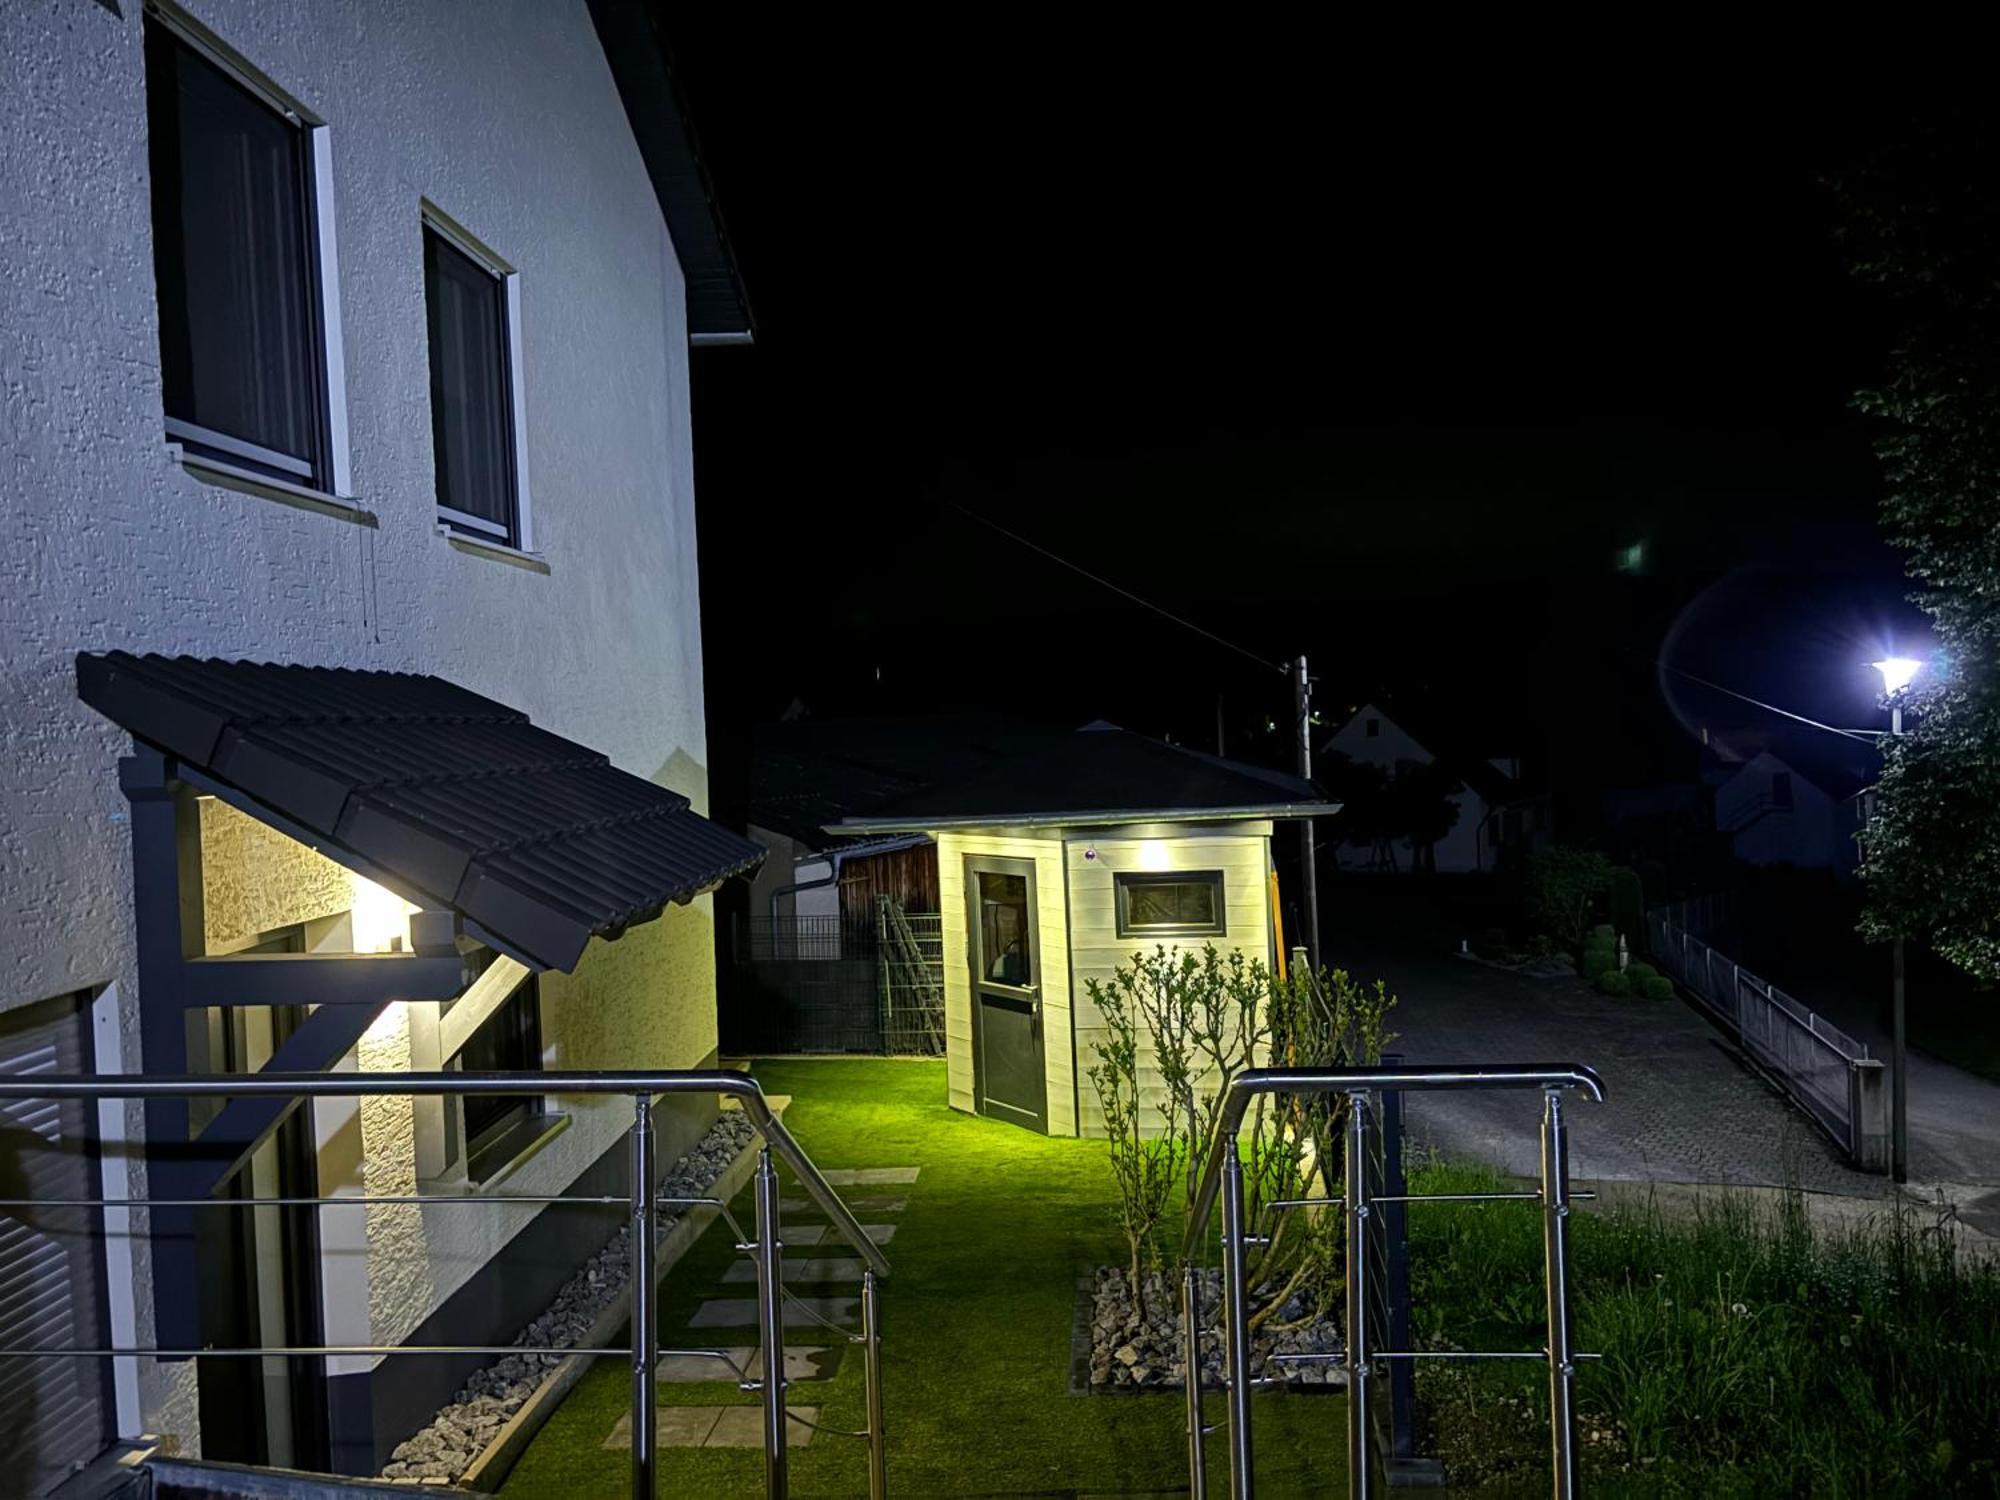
[1102, 774]
[458, 801]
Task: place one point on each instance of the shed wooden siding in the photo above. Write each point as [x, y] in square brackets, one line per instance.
[1241, 851]
[1053, 932]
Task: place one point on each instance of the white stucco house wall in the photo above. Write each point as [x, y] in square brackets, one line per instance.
[1494, 808]
[532, 139]
[1774, 814]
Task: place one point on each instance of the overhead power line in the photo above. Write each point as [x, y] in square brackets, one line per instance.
[1864, 735]
[1122, 592]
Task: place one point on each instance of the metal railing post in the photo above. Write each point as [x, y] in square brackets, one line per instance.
[1191, 1350]
[771, 1326]
[645, 1248]
[1355, 1352]
[878, 1440]
[1236, 1323]
[1555, 1252]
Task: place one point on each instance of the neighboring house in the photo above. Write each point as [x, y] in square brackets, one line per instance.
[1497, 818]
[1056, 868]
[357, 341]
[1774, 813]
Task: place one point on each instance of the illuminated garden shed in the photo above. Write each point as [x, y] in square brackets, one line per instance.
[1055, 869]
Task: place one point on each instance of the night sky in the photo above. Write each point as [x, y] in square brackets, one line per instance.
[1326, 348]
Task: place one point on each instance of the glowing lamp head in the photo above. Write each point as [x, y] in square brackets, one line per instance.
[1898, 672]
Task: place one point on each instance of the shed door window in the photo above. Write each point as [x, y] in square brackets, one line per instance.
[1005, 943]
[1184, 904]
[472, 426]
[235, 260]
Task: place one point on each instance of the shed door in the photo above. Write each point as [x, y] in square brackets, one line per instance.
[54, 1413]
[1009, 1081]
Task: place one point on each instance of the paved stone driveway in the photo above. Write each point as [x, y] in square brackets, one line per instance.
[1681, 1107]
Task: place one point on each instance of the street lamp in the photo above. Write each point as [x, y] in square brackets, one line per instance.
[1898, 672]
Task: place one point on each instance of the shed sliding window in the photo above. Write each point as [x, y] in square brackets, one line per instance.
[1184, 903]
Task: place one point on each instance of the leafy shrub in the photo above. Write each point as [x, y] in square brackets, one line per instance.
[1565, 888]
[1597, 961]
[1611, 982]
[1659, 987]
[1604, 933]
[1639, 972]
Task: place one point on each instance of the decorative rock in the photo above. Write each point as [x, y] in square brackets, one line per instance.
[442, 1450]
[1131, 1349]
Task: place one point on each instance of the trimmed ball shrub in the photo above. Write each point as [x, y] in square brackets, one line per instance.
[1639, 972]
[1604, 932]
[1659, 987]
[1597, 961]
[1611, 982]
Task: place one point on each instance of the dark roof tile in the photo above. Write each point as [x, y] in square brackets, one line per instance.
[540, 840]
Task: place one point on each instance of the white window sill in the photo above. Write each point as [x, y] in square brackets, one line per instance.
[527, 1140]
[228, 476]
[534, 562]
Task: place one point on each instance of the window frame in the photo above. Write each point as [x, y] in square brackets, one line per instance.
[1124, 881]
[487, 1150]
[461, 525]
[226, 456]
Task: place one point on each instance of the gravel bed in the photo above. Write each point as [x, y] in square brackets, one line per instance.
[1149, 1352]
[442, 1450]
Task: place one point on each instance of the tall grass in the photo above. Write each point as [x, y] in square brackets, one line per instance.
[1746, 1350]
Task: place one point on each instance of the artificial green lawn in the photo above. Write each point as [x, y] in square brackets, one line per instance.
[977, 1320]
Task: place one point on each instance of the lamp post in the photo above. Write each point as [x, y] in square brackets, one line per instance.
[1897, 673]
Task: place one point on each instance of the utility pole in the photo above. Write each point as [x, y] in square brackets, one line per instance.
[1308, 875]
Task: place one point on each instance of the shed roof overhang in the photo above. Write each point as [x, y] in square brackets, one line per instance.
[1086, 818]
[458, 802]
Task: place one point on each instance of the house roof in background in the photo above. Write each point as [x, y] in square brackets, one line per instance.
[718, 305]
[1494, 786]
[458, 800]
[808, 773]
[1102, 775]
[1839, 767]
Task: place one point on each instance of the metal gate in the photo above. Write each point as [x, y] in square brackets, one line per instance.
[843, 983]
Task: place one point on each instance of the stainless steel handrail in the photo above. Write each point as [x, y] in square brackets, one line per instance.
[728, 1082]
[1222, 1176]
[1248, 1084]
[644, 1201]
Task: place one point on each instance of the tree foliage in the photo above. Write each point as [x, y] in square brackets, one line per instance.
[1921, 220]
[1416, 804]
[1565, 887]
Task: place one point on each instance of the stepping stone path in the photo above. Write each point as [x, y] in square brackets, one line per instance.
[839, 1268]
[832, 1263]
[716, 1427]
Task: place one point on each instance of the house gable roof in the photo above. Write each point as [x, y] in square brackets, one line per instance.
[1102, 775]
[460, 800]
[1493, 786]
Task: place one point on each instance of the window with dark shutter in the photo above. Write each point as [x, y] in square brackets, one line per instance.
[55, 1414]
[472, 419]
[235, 258]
